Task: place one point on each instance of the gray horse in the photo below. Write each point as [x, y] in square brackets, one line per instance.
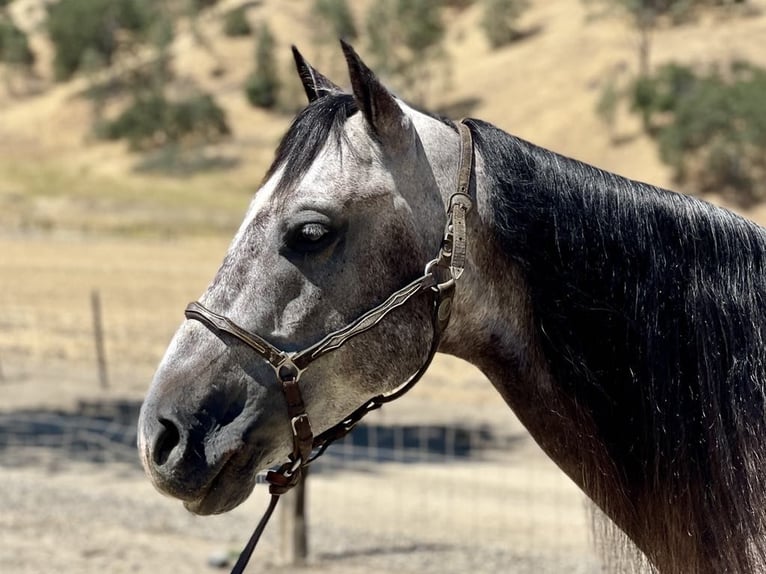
[622, 323]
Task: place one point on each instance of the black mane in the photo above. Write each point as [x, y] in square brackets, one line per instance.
[650, 308]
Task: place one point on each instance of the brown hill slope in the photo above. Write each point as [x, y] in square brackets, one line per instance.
[544, 88]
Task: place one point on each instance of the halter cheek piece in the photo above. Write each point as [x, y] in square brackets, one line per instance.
[438, 279]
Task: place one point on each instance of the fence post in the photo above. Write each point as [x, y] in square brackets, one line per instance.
[293, 522]
[98, 334]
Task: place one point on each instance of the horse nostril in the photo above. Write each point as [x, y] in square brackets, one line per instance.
[167, 440]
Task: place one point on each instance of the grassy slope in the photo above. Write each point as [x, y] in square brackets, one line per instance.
[52, 176]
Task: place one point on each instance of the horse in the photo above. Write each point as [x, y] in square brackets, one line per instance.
[624, 324]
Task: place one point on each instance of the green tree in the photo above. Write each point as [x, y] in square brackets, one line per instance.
[608, 103]
[500, 19]
[15, 53]
[422, 25]
[235, 22]
[200, 5]
[380, 33]
[337, 19]
[710, 126]
[153, 121]
[406, 39]
[659, 93]
[331, 20]
[14, 46]
[161, 35]
[262, 87]
[76, 26]
[193, 9]
[644, 16]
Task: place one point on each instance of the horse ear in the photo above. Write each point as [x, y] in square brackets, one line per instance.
[315, 84]
[376, 103]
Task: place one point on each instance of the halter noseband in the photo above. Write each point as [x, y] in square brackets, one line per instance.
[438, 279]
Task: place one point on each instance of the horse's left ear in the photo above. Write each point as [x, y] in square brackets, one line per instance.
[315, 84]
[379, 107]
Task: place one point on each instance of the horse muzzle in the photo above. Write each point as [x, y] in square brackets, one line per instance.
[203, 448]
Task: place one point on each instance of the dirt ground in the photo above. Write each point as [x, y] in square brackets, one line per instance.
[78, 511]
[82, 517]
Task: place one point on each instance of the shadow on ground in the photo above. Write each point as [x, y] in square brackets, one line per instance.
[105, 432]
[96, 431]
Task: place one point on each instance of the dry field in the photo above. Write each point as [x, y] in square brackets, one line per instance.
[46, 321]
[78, 517]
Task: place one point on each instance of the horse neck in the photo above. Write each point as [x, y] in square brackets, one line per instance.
[574, 304]
[493, 326]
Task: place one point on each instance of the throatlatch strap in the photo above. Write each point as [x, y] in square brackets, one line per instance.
[460, 203]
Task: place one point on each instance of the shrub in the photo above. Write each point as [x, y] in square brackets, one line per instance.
[235, 23]
[262, 87]
[153, 121]
[500, 20]
[14, 46]
[422, 25]
[200, 5]
[406, 42]
[337, 15]
[76, 26]
[607, 105]
[710, 127]
[659, 94]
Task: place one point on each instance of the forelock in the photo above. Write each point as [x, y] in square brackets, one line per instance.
[319, 122]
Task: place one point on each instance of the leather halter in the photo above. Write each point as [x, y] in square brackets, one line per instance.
[438, 279]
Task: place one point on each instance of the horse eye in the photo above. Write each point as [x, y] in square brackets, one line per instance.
[313, 232]
[312, 236]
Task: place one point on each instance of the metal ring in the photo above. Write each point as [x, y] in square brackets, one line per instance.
[297, 463]
[287, 369]
[444, 284]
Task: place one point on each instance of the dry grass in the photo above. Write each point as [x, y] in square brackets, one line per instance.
[46, 321]
[45, 315]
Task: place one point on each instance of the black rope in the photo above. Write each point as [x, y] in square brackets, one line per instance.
[247, 551]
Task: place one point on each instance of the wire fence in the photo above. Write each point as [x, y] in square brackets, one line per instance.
[388, 498]
[398, 495]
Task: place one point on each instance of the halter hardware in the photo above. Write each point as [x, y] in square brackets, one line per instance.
[438, 278]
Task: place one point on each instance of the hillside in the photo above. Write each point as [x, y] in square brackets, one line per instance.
[53, 175]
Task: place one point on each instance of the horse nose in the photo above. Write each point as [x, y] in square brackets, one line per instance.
[184, 441]
[166, 443]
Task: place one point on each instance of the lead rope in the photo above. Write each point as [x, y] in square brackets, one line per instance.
[247, 551]
[452, 254]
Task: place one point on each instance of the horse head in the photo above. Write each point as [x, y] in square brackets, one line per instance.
[345, 217]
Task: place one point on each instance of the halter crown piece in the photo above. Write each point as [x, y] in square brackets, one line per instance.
[438, 279]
